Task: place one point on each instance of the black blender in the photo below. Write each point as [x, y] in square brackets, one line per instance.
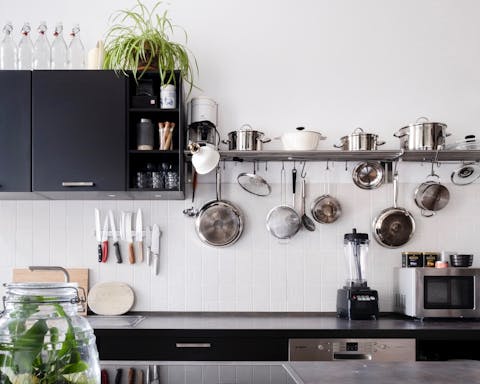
[356, 300]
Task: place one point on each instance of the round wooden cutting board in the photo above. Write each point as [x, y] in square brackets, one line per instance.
[111, 298]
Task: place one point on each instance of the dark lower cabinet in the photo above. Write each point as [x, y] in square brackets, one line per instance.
[78, 131]
[190, 346]
[15, 131]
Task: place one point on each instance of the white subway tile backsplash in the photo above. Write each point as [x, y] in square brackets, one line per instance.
[259, 272]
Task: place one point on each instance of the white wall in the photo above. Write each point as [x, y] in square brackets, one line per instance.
[328, 65]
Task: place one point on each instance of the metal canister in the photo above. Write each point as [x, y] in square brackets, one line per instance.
[412, 259]
[145, 135]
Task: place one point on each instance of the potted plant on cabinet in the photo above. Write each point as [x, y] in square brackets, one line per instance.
[140, 41]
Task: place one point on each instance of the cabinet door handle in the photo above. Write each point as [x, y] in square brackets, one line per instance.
[193, 345]
[78, 184]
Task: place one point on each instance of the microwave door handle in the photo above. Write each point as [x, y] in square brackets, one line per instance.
[352, 356]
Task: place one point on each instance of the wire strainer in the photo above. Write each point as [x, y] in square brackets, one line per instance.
[283, 221]
[253, 183]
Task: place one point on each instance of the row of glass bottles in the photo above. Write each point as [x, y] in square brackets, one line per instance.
[41, 55]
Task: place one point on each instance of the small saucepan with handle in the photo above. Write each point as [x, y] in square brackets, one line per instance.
[431, 196]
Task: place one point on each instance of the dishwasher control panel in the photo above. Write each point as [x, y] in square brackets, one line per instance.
[351, 349]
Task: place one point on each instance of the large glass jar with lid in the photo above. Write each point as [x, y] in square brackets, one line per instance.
[43, 339]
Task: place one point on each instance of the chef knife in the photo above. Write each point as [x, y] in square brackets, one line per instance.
[156, 248]
[98, 234]
[148, 240]
[129, 237]
[139, 235]
[105, 240]
[122, 227]
[115, 237]
[156, 379]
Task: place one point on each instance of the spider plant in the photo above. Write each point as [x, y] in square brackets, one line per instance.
[139, 41]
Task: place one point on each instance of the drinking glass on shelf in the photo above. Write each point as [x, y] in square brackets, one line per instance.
[25, 49]
[59, 49]
[142, 180]
[8, 49]
[171, 181]
[157, 180]
[41, 49]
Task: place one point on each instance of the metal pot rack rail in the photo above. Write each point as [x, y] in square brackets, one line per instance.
[335, 155]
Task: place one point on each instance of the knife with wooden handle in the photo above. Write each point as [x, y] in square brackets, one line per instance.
[140, 379]
[129, 236]
[131, 376]
[118, 255]
[139, 235]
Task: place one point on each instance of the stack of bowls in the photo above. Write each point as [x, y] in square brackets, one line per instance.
[458, 260]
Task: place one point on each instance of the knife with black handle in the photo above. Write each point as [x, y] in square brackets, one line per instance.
[118, 376]
[116, 246]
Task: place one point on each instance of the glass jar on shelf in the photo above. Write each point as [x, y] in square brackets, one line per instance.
[8, 49]
[41, 49]
[43, 339]
[25, 49]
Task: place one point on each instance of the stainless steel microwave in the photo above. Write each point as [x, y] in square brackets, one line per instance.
[437, 292]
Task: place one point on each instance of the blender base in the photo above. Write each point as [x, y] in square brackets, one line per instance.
[357, 303]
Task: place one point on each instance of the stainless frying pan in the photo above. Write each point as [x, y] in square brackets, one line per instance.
[219, 222]
[394, 226]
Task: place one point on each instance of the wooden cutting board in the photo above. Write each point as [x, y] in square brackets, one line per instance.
[77, 275]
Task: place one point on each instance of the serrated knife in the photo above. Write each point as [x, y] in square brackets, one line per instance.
[118, 255]
[98, 235]
[139, 235]
[105, 240]
[156, 248]
[129, 237]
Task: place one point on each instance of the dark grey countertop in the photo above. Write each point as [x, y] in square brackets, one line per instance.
[345, 372]
[272, 321]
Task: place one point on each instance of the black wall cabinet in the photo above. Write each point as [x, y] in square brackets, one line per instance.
[15, 131]
[78, 131]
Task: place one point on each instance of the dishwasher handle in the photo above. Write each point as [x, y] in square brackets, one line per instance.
[352, 356]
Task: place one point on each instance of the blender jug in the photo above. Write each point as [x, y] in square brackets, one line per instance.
[355, 246]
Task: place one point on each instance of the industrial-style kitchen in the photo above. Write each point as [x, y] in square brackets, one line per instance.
[239, 192]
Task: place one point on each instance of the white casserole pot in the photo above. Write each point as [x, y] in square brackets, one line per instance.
[301, 140]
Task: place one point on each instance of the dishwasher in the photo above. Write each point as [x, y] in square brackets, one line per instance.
[335, 349]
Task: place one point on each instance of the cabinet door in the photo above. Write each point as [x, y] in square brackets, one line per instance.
[15, 131]
[79, 131]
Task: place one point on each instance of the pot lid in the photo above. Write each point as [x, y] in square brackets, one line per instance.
[423, 120]
[302, 129]
[466, 174]
[469, 143]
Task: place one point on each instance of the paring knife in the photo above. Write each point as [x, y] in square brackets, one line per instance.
[156, 248]
[123, 236]
[105, 240]
[98, 234]
[148, 240]
[139, 235]
[129, 237]
[115, 237]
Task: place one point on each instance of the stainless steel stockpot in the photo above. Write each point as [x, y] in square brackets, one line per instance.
[359, 140]
[246, 139]
[422, 135]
